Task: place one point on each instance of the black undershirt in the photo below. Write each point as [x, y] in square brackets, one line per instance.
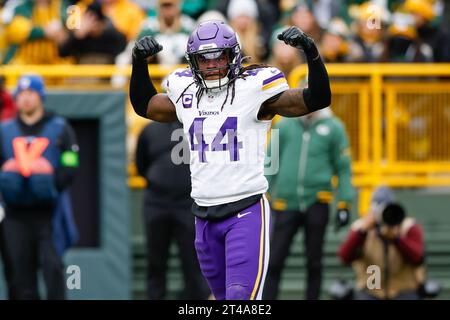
[223, 211]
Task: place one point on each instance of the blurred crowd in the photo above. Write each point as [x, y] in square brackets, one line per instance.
[103, 31]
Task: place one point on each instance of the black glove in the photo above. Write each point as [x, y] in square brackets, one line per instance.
[296, 38]
[342, 218]
[146, 47]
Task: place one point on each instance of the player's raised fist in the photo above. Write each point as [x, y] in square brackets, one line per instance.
[296, 38]
[146, 47]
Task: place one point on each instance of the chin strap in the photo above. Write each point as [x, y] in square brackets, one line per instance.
[216, 85]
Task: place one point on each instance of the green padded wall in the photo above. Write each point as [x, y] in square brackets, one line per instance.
[105, 270]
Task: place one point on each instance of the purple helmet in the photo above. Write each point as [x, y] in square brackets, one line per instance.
[210, 40]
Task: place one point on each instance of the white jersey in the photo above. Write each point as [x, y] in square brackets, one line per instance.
[227, 145]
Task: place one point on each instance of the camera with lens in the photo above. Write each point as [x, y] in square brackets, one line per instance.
[392, 214]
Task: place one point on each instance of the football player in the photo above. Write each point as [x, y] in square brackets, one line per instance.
[220, 103]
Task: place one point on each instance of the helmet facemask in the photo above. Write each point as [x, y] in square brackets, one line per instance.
[202, 64]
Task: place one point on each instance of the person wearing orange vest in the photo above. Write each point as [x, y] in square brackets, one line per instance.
[39, 159]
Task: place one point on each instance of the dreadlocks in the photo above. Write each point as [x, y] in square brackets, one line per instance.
[185, 89]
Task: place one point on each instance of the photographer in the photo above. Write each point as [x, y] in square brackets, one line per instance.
[386, 238]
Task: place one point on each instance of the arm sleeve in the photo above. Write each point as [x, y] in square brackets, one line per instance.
[411, 245]
[318, 94]
[141, 87]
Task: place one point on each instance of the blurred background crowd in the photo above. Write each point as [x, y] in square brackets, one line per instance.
[103, 31]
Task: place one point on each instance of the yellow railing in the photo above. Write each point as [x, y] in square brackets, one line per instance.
[397, 117]
[77, 71]
[398, 120]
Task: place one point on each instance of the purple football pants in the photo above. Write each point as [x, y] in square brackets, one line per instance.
[234, 252]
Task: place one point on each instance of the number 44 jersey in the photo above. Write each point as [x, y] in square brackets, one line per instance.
[227, 141]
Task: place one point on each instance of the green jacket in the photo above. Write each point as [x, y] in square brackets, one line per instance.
[310, 155]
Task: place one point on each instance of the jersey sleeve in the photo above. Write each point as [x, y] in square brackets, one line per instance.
[175, 84]
[269, 83]
[272, 82]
